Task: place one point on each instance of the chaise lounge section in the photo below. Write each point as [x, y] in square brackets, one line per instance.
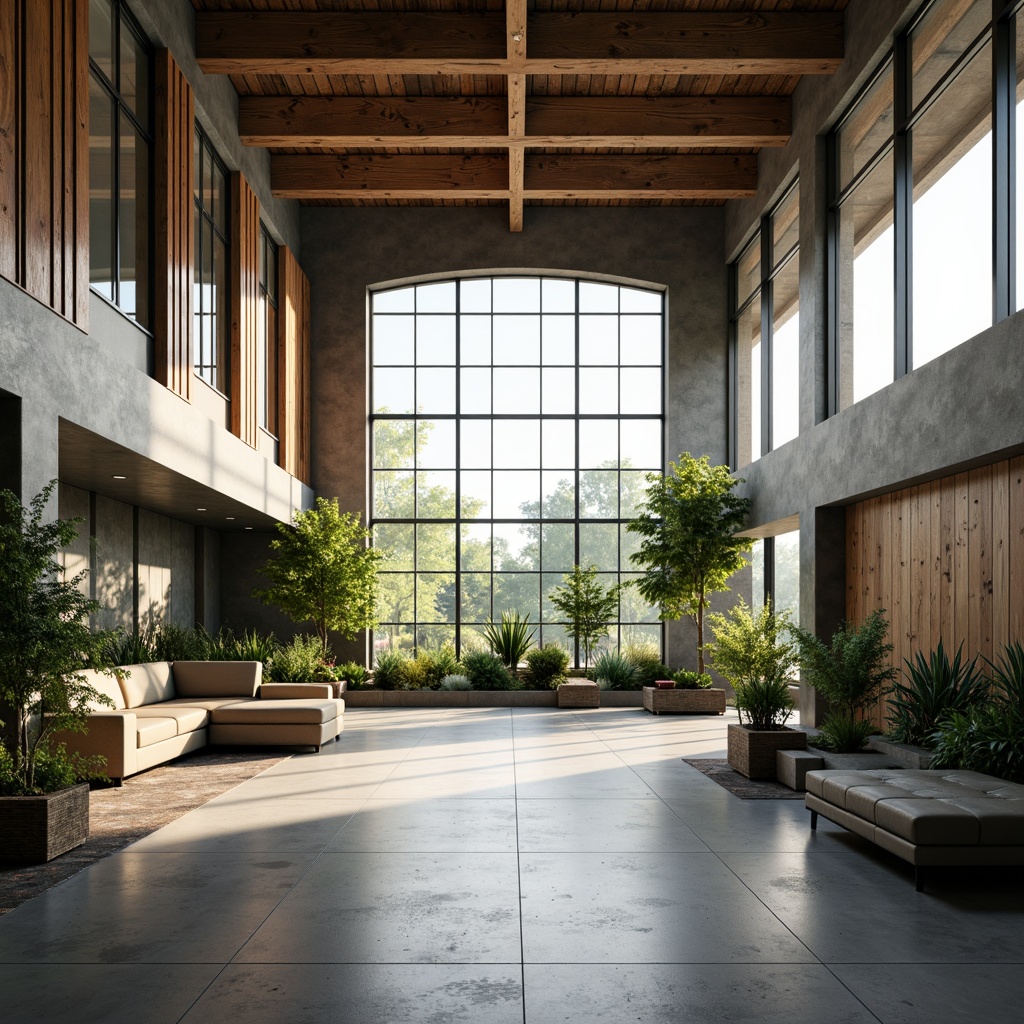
[163, 710]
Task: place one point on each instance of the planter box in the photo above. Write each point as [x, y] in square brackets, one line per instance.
[35, 829]
[582, 694]
[752, 752]
[684, 702]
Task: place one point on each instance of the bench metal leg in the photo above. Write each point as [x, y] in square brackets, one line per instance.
[814, 821]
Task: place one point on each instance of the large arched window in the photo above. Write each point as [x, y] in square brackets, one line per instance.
[513, 421]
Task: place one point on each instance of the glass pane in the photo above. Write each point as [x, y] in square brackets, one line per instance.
[786, 354]
[220, 198]
[394, 340]
[435, 340]
[395, 597]
[633, 491]
[786, 226]
[558, 547]
[393, 444]
[475, 340]
[598, 298]
[393, 494]
[748, 271]
[516, 494]
[550, 581]
[558, 295]
[134, 84]
[475, 490]
[636, 300]
[787, 574]
[516, 546]
[517, 592]
[559, 340]
[475, 553]
[756, 446]
[641, 340]
[133, 216]
[397, 539]
[599, 340]
[395, 300]
[197, 154]
[559, 390]
[641, 390]
[640, 442]
[221, 305]
[516, 295]
[953, 214]
[629, 544]
[435, 444]
[599, 545]
[865, 274]
[558, 441]
[101, 190]
[599, 494]
[476, 597]
[868, 127]
[435, 598]
[941, 38]
[475, 296]
[101, 37]
[435, 495]
[475, 444]
[394, 391]
[271, 370]
[435, 391]
[1018, 186]
[516, 444]
[599, 391]
[517, 340]
[435, 546]
[516, 390]
[436, 298]
[757, 576]
[632, 606]
[475, 396]
[558, 494]
[599, 443]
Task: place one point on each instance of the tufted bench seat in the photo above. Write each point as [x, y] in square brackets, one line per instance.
[928, 818]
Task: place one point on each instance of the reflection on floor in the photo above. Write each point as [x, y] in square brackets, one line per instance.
[500, 865]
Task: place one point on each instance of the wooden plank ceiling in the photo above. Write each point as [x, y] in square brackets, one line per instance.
[582, 102]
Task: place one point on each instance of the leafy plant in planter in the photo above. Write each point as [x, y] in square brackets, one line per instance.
[588, 607]
[389, 672]
[510, 639]
[688, 524]
[45, 642]
[687, 679]
[546, 666]
[486, 671]
[849, 672]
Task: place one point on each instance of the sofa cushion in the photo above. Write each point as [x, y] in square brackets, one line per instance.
[928, 822]
[291, 691]
[107, 685]
[262, 712]
[188, 717]
[153, 730]
[217, 678]
[146, 684]
[206, 703]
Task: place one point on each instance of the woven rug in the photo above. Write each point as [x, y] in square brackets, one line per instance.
[118, 816]
[718, 770]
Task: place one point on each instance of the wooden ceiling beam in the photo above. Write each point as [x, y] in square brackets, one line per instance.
[515, 41]
[345, 122]
[486, 176]
[454, 43]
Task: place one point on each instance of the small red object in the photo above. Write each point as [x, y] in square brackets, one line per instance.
[664, 684]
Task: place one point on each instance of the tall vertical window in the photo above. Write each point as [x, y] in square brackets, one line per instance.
[266, 343]
[914, 180]
[513, 422]
[765, 327]
[120, 159]
[211, 302]
[775, 573]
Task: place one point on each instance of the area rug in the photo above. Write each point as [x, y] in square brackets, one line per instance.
[718, 770]
[119, 816]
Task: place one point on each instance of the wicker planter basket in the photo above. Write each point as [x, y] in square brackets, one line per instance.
[752, 752]
[579, 694]
[35, 829]
[684, 702]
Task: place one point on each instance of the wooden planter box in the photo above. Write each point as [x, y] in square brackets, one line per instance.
[35, 829]
[752, 752]
[582, 694]
[684, 702]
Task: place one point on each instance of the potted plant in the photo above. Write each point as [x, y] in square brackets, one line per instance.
[752, 653]
[45, 643]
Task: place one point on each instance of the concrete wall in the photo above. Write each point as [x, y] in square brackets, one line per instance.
[346, 251]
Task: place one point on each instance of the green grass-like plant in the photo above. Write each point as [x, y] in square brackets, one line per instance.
[389, 672]
[511, 638]
[617, 672]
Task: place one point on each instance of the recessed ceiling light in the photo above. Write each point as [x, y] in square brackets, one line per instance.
[120, 476]
[230, 519]
[248, 527]
[200, 509]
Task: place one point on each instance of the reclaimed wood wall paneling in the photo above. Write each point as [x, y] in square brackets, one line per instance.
[244, 286]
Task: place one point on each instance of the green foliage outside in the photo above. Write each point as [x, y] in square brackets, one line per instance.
[546, 667]
[588, 607]
[646, 660]
[45, 642]
[324, 572]
[689, 548]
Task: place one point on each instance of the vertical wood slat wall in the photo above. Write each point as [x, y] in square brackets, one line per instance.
[293, 366]
[175, 225]
[44, 152]
[939, 558]
[244, 287]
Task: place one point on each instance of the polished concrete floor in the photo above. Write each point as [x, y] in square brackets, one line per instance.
[497, 865]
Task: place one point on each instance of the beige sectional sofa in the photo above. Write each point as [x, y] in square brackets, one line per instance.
[164, 709]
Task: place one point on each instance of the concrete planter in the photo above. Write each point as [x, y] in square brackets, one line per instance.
[35, 829]
[752, 752]
[477, 698]
[684, 702]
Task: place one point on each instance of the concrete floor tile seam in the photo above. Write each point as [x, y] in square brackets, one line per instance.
[519, 874]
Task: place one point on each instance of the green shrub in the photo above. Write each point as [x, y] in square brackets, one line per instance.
[687, 679]
[843, 735]
[418, 671]
[179, 643]
[546, 666]
[612, 668]
[646, 660]
[440, 663]
[981, 739]
[487, 671]
[352, 671]
[764, 703]
[389, 672]
[1008, 679]
[456, 682]
[255, 647]
[300, 661]
[124, 648]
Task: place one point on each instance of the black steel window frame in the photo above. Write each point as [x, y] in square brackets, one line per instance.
[1001, 33]
[268, 259]
[771, 265]
[121, 15]
[460, 418]
[220, 372]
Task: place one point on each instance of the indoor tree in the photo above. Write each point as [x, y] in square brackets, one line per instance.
[588, 607]
[324, 571]
[689, 547]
